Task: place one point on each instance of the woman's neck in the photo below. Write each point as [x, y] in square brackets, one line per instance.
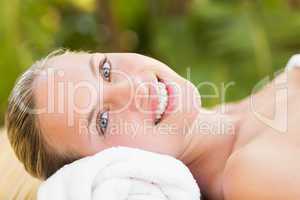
[207, 147]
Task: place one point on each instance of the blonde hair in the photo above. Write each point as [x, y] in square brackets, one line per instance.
[23, 130]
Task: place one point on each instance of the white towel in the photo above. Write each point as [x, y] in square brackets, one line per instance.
[122, 173]
[294, 62]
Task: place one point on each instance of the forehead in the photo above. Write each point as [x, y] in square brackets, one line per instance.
[60, 124]
[60, 74]
[68, 59]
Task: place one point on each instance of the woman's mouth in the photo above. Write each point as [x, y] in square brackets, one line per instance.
[163, 98]
[165, 101]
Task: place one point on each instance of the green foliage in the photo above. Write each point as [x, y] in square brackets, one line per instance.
[217, 40]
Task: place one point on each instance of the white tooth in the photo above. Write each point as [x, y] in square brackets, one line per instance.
[165, 98]
[160, 108]
[164, 103]
[160, 86]
[161, 99]
[165, 108]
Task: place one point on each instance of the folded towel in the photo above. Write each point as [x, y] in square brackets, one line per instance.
[294, 62]
[122, 173]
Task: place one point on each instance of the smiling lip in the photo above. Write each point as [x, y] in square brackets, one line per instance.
[171, 99]
[155, 101]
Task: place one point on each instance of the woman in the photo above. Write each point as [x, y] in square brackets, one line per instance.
[71, 105]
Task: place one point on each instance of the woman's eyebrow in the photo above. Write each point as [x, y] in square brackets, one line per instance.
[92, 112]
[91, 65]
[91, 115]
[89, 119]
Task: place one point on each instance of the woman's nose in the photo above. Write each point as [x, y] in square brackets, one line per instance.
[119, 95]
[126, 94]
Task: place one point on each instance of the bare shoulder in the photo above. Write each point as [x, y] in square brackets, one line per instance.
[266, 168]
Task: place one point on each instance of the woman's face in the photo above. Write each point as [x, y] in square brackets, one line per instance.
[90, 102]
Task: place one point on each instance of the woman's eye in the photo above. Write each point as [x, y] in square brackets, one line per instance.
[105, 70]
[102, 121]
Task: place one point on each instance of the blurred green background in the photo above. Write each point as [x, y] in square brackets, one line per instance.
[217, 40]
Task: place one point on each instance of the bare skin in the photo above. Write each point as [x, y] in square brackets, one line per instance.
[246, 160]
[264, 161]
